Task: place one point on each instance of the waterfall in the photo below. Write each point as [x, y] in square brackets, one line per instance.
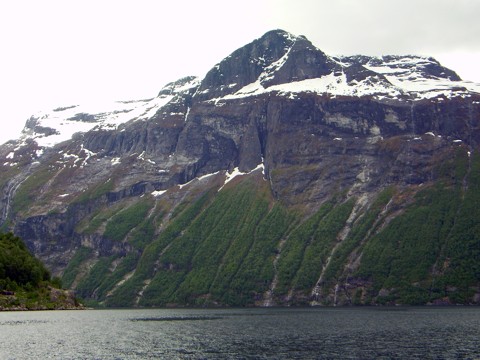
[12, 188]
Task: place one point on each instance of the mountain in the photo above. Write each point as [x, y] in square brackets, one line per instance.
[284, 177]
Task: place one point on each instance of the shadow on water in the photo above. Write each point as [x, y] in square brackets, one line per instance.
[22, 322]
[178, 318]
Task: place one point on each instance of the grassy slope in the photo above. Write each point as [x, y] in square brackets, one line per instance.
[432, 251]
[223, 248]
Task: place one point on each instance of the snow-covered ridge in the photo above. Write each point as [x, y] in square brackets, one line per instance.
[49, 128]
[413, 75]
[63, 123]
[394, 77]
[181, 86]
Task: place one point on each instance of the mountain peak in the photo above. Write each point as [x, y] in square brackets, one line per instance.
[278, 35]
[276, 57]
[186, 83]
[276, 62]
[246, 64]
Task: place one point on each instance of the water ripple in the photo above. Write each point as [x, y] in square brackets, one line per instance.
[353, 333]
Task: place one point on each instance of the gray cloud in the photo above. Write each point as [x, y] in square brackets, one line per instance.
[384, 26]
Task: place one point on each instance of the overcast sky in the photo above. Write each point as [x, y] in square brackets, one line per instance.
[58, 53]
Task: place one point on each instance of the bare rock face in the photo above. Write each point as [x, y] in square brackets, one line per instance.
[65, 299]
[316, 125]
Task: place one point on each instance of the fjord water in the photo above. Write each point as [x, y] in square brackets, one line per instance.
[319, 333]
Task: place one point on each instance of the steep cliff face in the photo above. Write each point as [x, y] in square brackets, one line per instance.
[273, 180]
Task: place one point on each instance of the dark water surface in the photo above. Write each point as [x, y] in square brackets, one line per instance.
[320, 333]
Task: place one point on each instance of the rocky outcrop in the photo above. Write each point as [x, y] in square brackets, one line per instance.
[58, 299]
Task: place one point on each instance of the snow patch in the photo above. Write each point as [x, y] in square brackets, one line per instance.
[406, 74]
[260, 166]
[20, 145]
[142, 157]
[69, 156]
[66, 122]
[88, 155]
[207, 175]
[332, 84]
[236, 172]
[230, 176]
[87, 152]
[157, 193]
[181, 186]
[271, 69]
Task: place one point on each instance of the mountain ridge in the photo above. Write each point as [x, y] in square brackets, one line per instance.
[347, 146]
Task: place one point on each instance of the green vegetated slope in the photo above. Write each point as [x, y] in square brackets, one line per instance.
[431, 253]
[25, 283]
[240, 247]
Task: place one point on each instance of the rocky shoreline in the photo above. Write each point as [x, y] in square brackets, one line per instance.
[57, 299]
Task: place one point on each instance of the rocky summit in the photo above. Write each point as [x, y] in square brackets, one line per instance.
[284, 177]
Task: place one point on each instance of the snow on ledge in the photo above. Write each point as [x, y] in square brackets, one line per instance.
[236, 172]
[157, 193]
[230, 176]
[207, 175]
[260, 166]
[181, 186]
